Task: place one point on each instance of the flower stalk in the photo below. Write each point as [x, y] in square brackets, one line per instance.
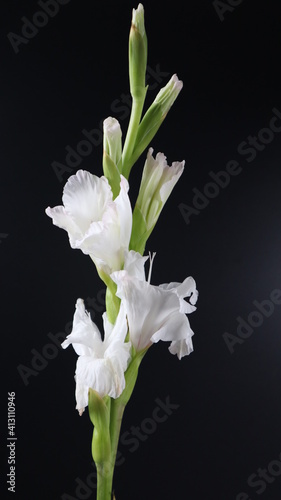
[98, 217]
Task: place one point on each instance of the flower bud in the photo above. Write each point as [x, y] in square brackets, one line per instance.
[112, 151]
[112, 142]
[155, 115]
[157, 183]
[137, 54]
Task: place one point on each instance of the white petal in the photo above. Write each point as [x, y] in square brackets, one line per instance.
[102, 242]
[101, 364]
[105, 375]
[148, 309]
[85, 198]
[181, 347]
[134, 264]
[81, 395]
[95, 374]
[85, 336]
[96, 224]
[124, 211]
[176, 327]
[63, 220]
[116, 332]
[185, 289]
[170, 177]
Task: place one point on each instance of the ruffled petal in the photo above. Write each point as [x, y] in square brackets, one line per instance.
[101, 364]
[63, 220]
[134, 264]
[185, 289]
[96, 224]
[95, 374]
[182, 347]
[85, 336]
[156, 313]
[85, 197]
[148, 308]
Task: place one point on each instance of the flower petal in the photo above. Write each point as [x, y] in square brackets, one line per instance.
[81, 395]
[95, 374]
[185, 289]
[134, 264]
[85, 197]
[63, 220]
[148, 309]
[96, 224]
[85, 336]
[124, 211]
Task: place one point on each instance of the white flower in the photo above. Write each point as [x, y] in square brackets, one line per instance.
[101, 363]
[96, 224]
[157, 312]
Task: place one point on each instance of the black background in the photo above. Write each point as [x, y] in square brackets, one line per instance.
[70, 76]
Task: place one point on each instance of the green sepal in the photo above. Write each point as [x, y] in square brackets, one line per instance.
[112, 302]
[131, 375]
[140, 233]
[99, 411]
[112, 174]
[147, 129]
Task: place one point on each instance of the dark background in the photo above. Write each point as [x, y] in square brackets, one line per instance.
[70, 76]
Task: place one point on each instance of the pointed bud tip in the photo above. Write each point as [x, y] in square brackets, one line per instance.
[138, 19]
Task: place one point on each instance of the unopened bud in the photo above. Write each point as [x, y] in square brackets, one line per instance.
[137, 54]
[112, 151]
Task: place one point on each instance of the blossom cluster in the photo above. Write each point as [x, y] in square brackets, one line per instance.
[100, 221]
[101, 227]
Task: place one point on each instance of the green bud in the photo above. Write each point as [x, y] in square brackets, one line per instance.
[100, 418]
[155, 115]
[137, 54]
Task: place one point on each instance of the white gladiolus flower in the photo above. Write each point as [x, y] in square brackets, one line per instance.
[101, 363]
[157, 312]
[96, 224]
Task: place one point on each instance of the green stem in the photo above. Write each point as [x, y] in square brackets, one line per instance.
[118, 405]
[117, 410]
[136, 112]
[104, 481]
